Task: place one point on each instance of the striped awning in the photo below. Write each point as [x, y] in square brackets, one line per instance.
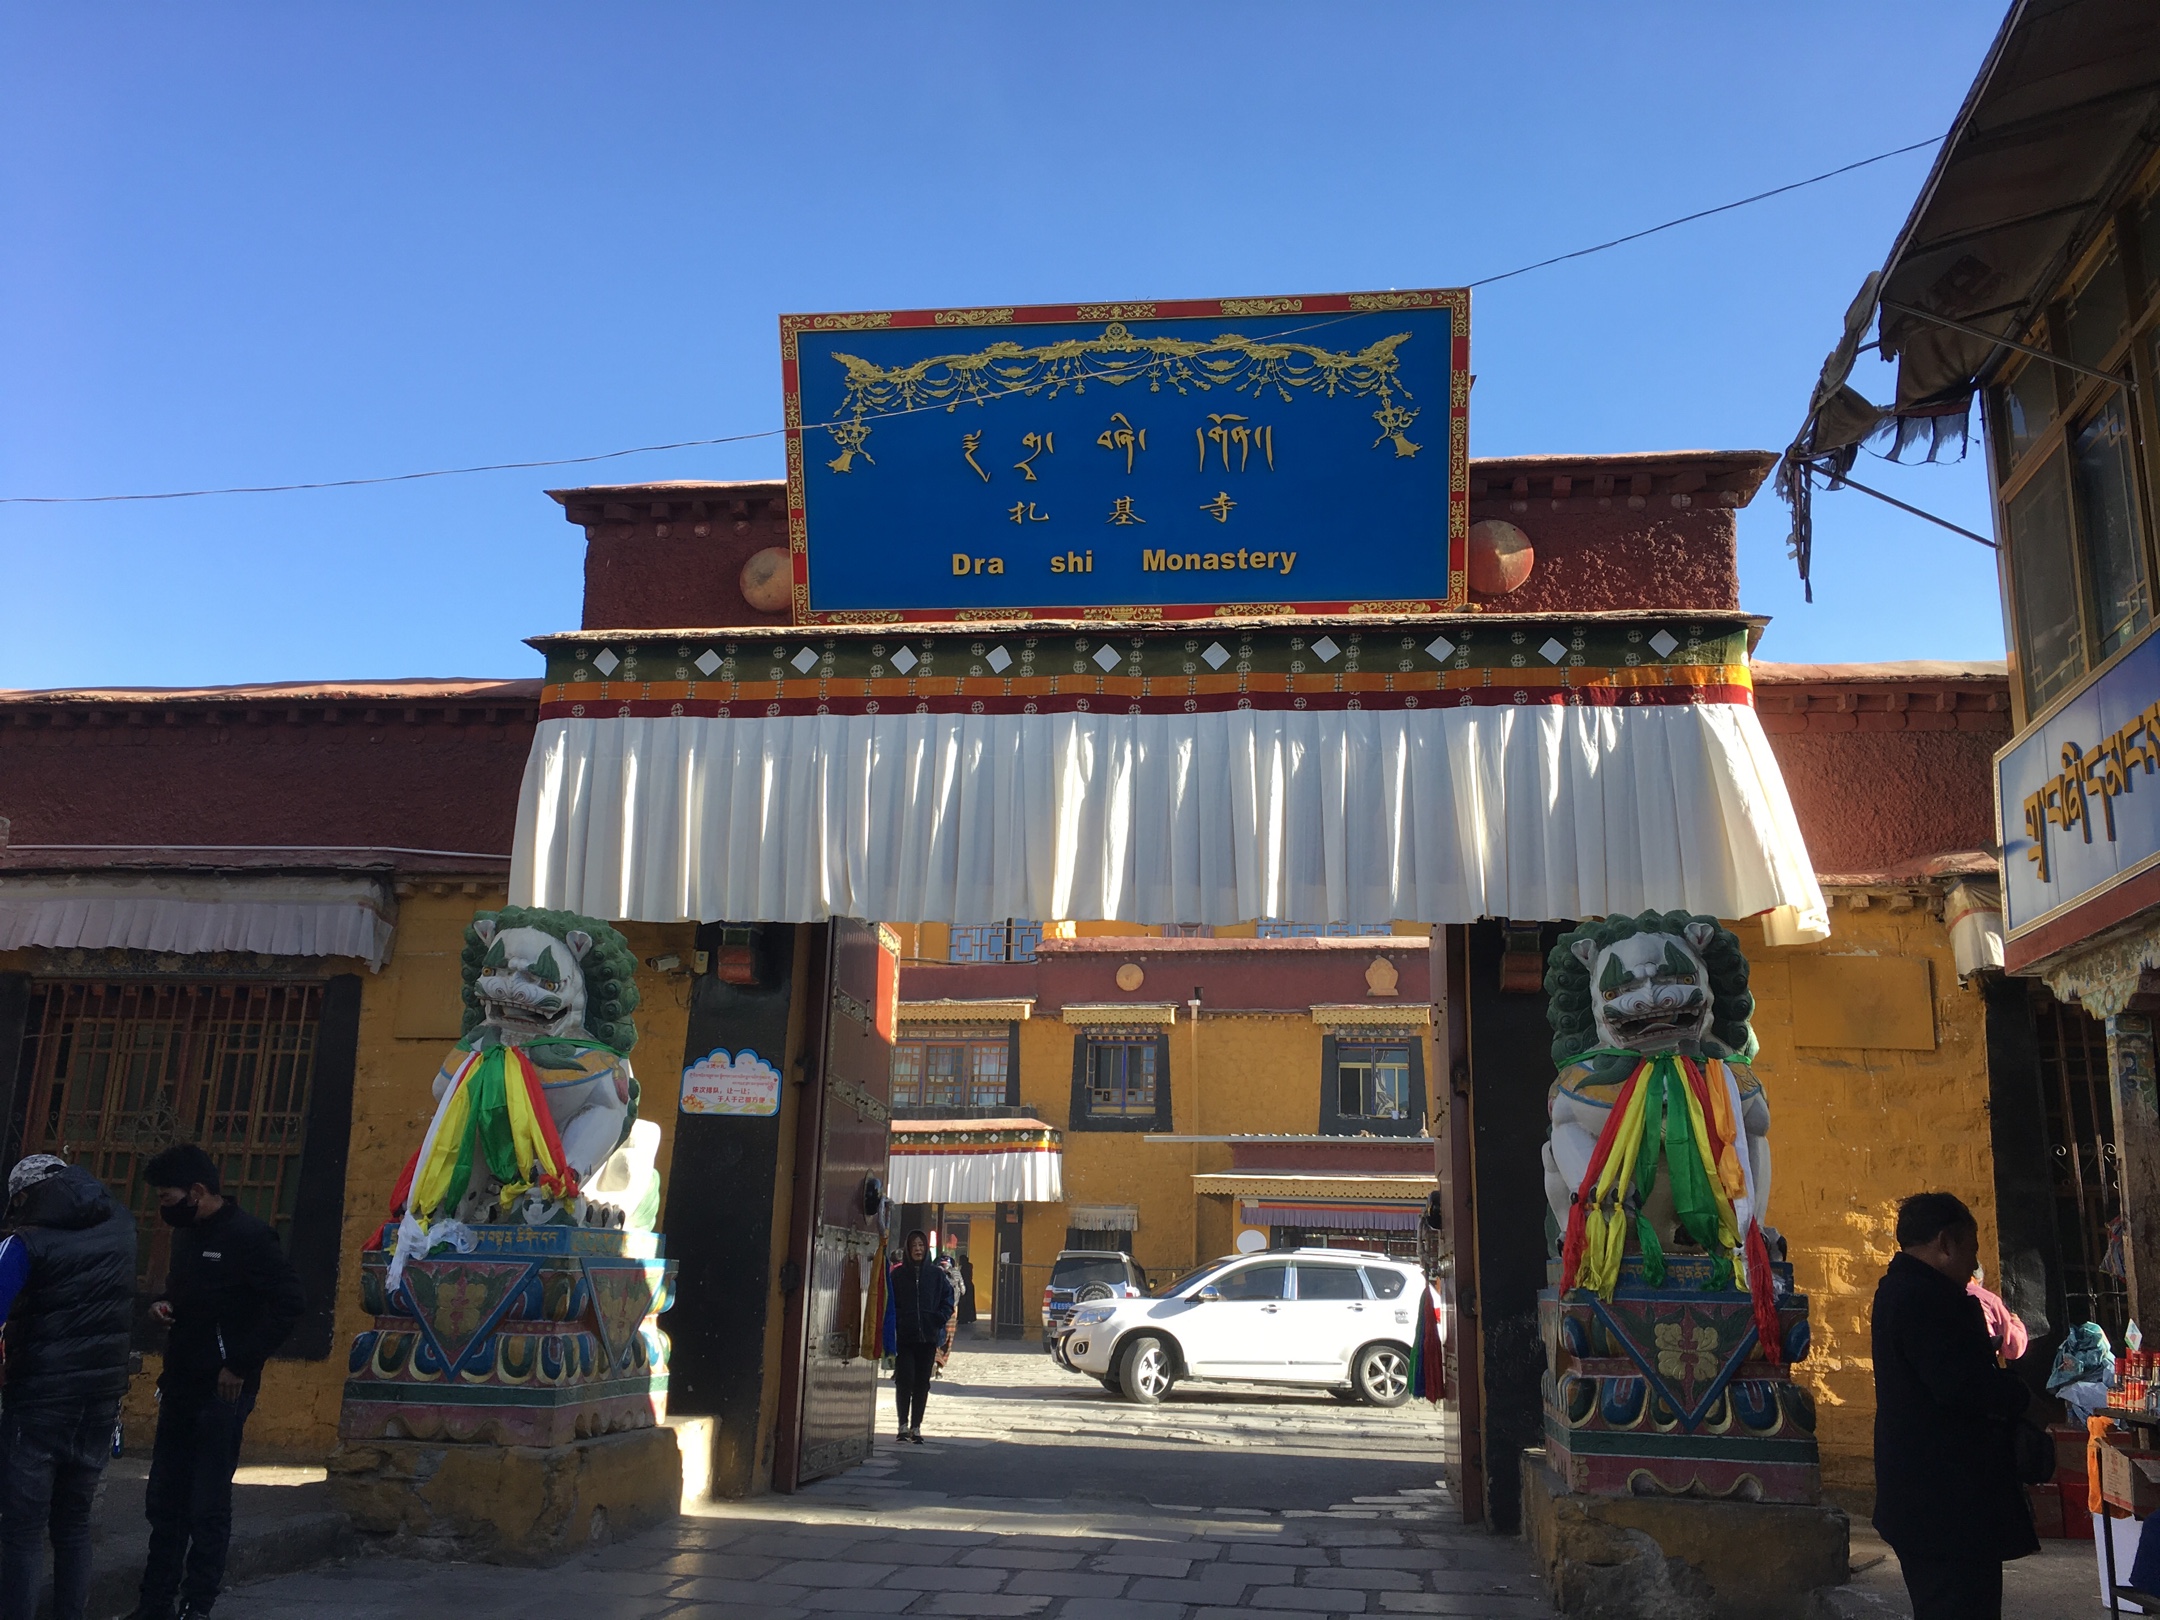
[1333, 1217]
[192, 914]
[1433, 771]
[991, 1161]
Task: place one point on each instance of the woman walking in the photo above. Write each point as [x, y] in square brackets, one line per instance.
[919, 1307]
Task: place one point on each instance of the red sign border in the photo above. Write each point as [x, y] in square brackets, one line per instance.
[1454, 299]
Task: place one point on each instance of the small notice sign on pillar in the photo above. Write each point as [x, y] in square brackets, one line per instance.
[723, 1082]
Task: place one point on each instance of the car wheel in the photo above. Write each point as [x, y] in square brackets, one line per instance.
[1381, 1375]
[1145, 1375]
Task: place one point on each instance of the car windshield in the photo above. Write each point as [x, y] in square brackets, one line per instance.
[1193, 1278]
[1077, 1273]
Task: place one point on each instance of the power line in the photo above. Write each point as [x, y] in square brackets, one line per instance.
[1722, 208]
[770, 433]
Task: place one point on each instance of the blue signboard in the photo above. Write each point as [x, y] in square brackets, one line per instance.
[2078, 801]
[1161, 460]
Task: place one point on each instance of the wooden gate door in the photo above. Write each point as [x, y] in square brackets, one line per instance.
[846, 1118]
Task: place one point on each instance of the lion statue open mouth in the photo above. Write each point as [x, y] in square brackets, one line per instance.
[1651, 1038]
[538, 1096]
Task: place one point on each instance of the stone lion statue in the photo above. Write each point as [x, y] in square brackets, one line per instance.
[538, 1094]
[1650, 1019]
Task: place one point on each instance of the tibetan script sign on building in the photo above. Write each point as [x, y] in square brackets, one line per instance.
[1167, 460]
[2077, 795]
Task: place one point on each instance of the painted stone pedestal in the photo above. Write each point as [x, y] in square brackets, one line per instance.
[1679, 1557]
[1679, 1475]
[1666, 1391]
[507, 1403]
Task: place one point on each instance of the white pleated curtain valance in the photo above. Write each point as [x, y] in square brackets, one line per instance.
[939, 1162]
[198, 914]
[1576, 793]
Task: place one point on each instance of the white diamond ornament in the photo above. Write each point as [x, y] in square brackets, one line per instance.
[1325, 648]
[1440, 649]
[707, 662]
[1106, 657]
[999, 660]
[1664, 642]
[607, 661]
[803, 660]
[1215, 657]
[1553, 651]
[904, 660]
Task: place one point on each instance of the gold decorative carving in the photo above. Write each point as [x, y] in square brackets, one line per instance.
[973, 317]
[1391, 608]
[1262, 306]
[1115, 312]
[993, 613]
[1393, 300]
[850, 323]
[1230, 360]
[1242, 609]
[1122, 613]
[861, 616]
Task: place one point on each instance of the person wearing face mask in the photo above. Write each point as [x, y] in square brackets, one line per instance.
[230, 1299]
[67, 1291]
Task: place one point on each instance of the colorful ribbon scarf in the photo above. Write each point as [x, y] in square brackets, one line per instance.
[1688, 1114]
[495, 1114]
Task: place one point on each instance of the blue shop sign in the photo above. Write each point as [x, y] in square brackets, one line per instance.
[1156, 460]
[2074, 795]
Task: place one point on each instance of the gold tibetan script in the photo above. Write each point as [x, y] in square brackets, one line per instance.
[2103, 772]
[1230, 361]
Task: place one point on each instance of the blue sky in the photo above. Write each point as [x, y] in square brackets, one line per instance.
[257, 244]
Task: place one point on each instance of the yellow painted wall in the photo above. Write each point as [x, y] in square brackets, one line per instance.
[1856, 1128]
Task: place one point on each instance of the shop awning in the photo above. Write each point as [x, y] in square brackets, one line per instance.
[2058, 115]
[1333, 1217]
[1278, 1186]
[992, 1161]
[1433, 772]
[198, 914]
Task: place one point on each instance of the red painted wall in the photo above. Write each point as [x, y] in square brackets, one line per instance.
[1885, 771]
[1594, 559]
[150, 772]
[1233, 974]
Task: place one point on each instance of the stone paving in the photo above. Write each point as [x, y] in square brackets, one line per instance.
[944, 1528]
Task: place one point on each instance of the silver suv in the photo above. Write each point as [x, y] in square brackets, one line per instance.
[1340, 1319]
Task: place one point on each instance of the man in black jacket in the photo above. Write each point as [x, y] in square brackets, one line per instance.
[67, 1290]
[1946, 1490]
[230, 1299]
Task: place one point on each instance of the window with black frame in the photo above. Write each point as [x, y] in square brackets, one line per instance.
[1121, 1076]
[2074, 496]
[1372, 1080]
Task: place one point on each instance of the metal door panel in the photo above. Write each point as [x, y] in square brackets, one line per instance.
[839, 1388]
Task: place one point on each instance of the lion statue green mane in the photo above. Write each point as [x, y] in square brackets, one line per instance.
[610, 970]
[1568, 989]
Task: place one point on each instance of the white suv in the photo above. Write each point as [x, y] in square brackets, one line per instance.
[1340, 1319]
